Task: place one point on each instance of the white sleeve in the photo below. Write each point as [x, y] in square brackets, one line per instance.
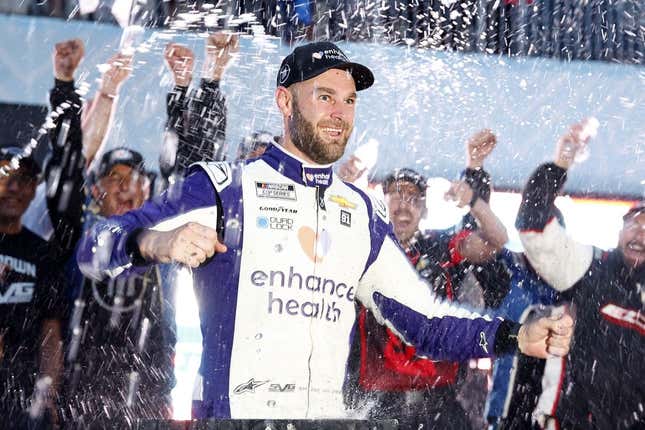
[399, 298]
[556, 257]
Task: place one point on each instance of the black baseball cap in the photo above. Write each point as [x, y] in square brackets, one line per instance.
[26, 160]
[407, 175]
[120, 155]
[310, 60]
[635, 210]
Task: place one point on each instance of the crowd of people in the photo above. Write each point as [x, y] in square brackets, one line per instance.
[317, 297]
[603, 30]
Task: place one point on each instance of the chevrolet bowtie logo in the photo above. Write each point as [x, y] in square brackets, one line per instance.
[342, 202]
[248, 387]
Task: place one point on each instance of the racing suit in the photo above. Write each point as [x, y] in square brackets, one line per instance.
[277, 309]
[600, 381]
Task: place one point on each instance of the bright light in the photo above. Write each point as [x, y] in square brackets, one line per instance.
[188, 350]
[593, 222]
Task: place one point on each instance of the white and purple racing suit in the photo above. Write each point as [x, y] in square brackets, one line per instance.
[277, 309]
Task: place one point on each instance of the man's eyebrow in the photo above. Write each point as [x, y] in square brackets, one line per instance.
[325, 90]
[332, 91]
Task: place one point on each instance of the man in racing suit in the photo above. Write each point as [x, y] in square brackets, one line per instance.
[600, 382]
[296, 246]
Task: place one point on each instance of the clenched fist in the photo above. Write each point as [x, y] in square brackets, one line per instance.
[180, 60]
[220, 48]
[571, 143]
[190, 244]
[66, 58]
[479, 146]
[120, 68]
[546, 337]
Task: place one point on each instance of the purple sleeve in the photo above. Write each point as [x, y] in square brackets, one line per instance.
[445, 337]
[103, 250]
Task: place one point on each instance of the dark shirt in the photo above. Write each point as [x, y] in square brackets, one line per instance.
[29, 289]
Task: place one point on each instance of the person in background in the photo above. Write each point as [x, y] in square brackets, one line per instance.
[512, 289]
[388, 376]
[92, 121]
[118, 358]
[254, 145]
[599, 383]
[33, 295]
[196, 124]
[31, 303]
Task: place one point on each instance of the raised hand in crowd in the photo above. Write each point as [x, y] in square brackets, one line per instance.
[220, 49]
[473, 190]
[120, 67]
[572, 143]
[98, 119]
[478, 147]
[180, 60]
[66, 58]
[196, 125]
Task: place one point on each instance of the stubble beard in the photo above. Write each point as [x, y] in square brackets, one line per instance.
[304, 137]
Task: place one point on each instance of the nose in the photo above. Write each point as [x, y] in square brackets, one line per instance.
[341, 111]
[14, 184]
[124, 185]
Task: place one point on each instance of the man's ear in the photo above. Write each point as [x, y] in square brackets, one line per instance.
[284, 100]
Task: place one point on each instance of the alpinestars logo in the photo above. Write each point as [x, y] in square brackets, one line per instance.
[249, 386]
[483, 342]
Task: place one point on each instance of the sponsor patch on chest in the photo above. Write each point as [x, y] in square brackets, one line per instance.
[275, 191]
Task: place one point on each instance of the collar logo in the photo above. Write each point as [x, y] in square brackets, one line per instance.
[315, 246]
[317, 177]
[284, 73]
[342, 202]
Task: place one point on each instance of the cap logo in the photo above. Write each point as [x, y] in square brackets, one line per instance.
[317, 55]
[122, 154]
[284, 73]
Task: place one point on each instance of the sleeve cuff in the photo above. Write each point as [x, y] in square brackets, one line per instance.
[132, 249]
[506, 337]
[64, 85]
[479, 180]
[209, 84]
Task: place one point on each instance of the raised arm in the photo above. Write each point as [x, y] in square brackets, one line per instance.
[391, 288]
[558, 259]
[65, 170]
[100, 111]
[196, 126]
[474, 191]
